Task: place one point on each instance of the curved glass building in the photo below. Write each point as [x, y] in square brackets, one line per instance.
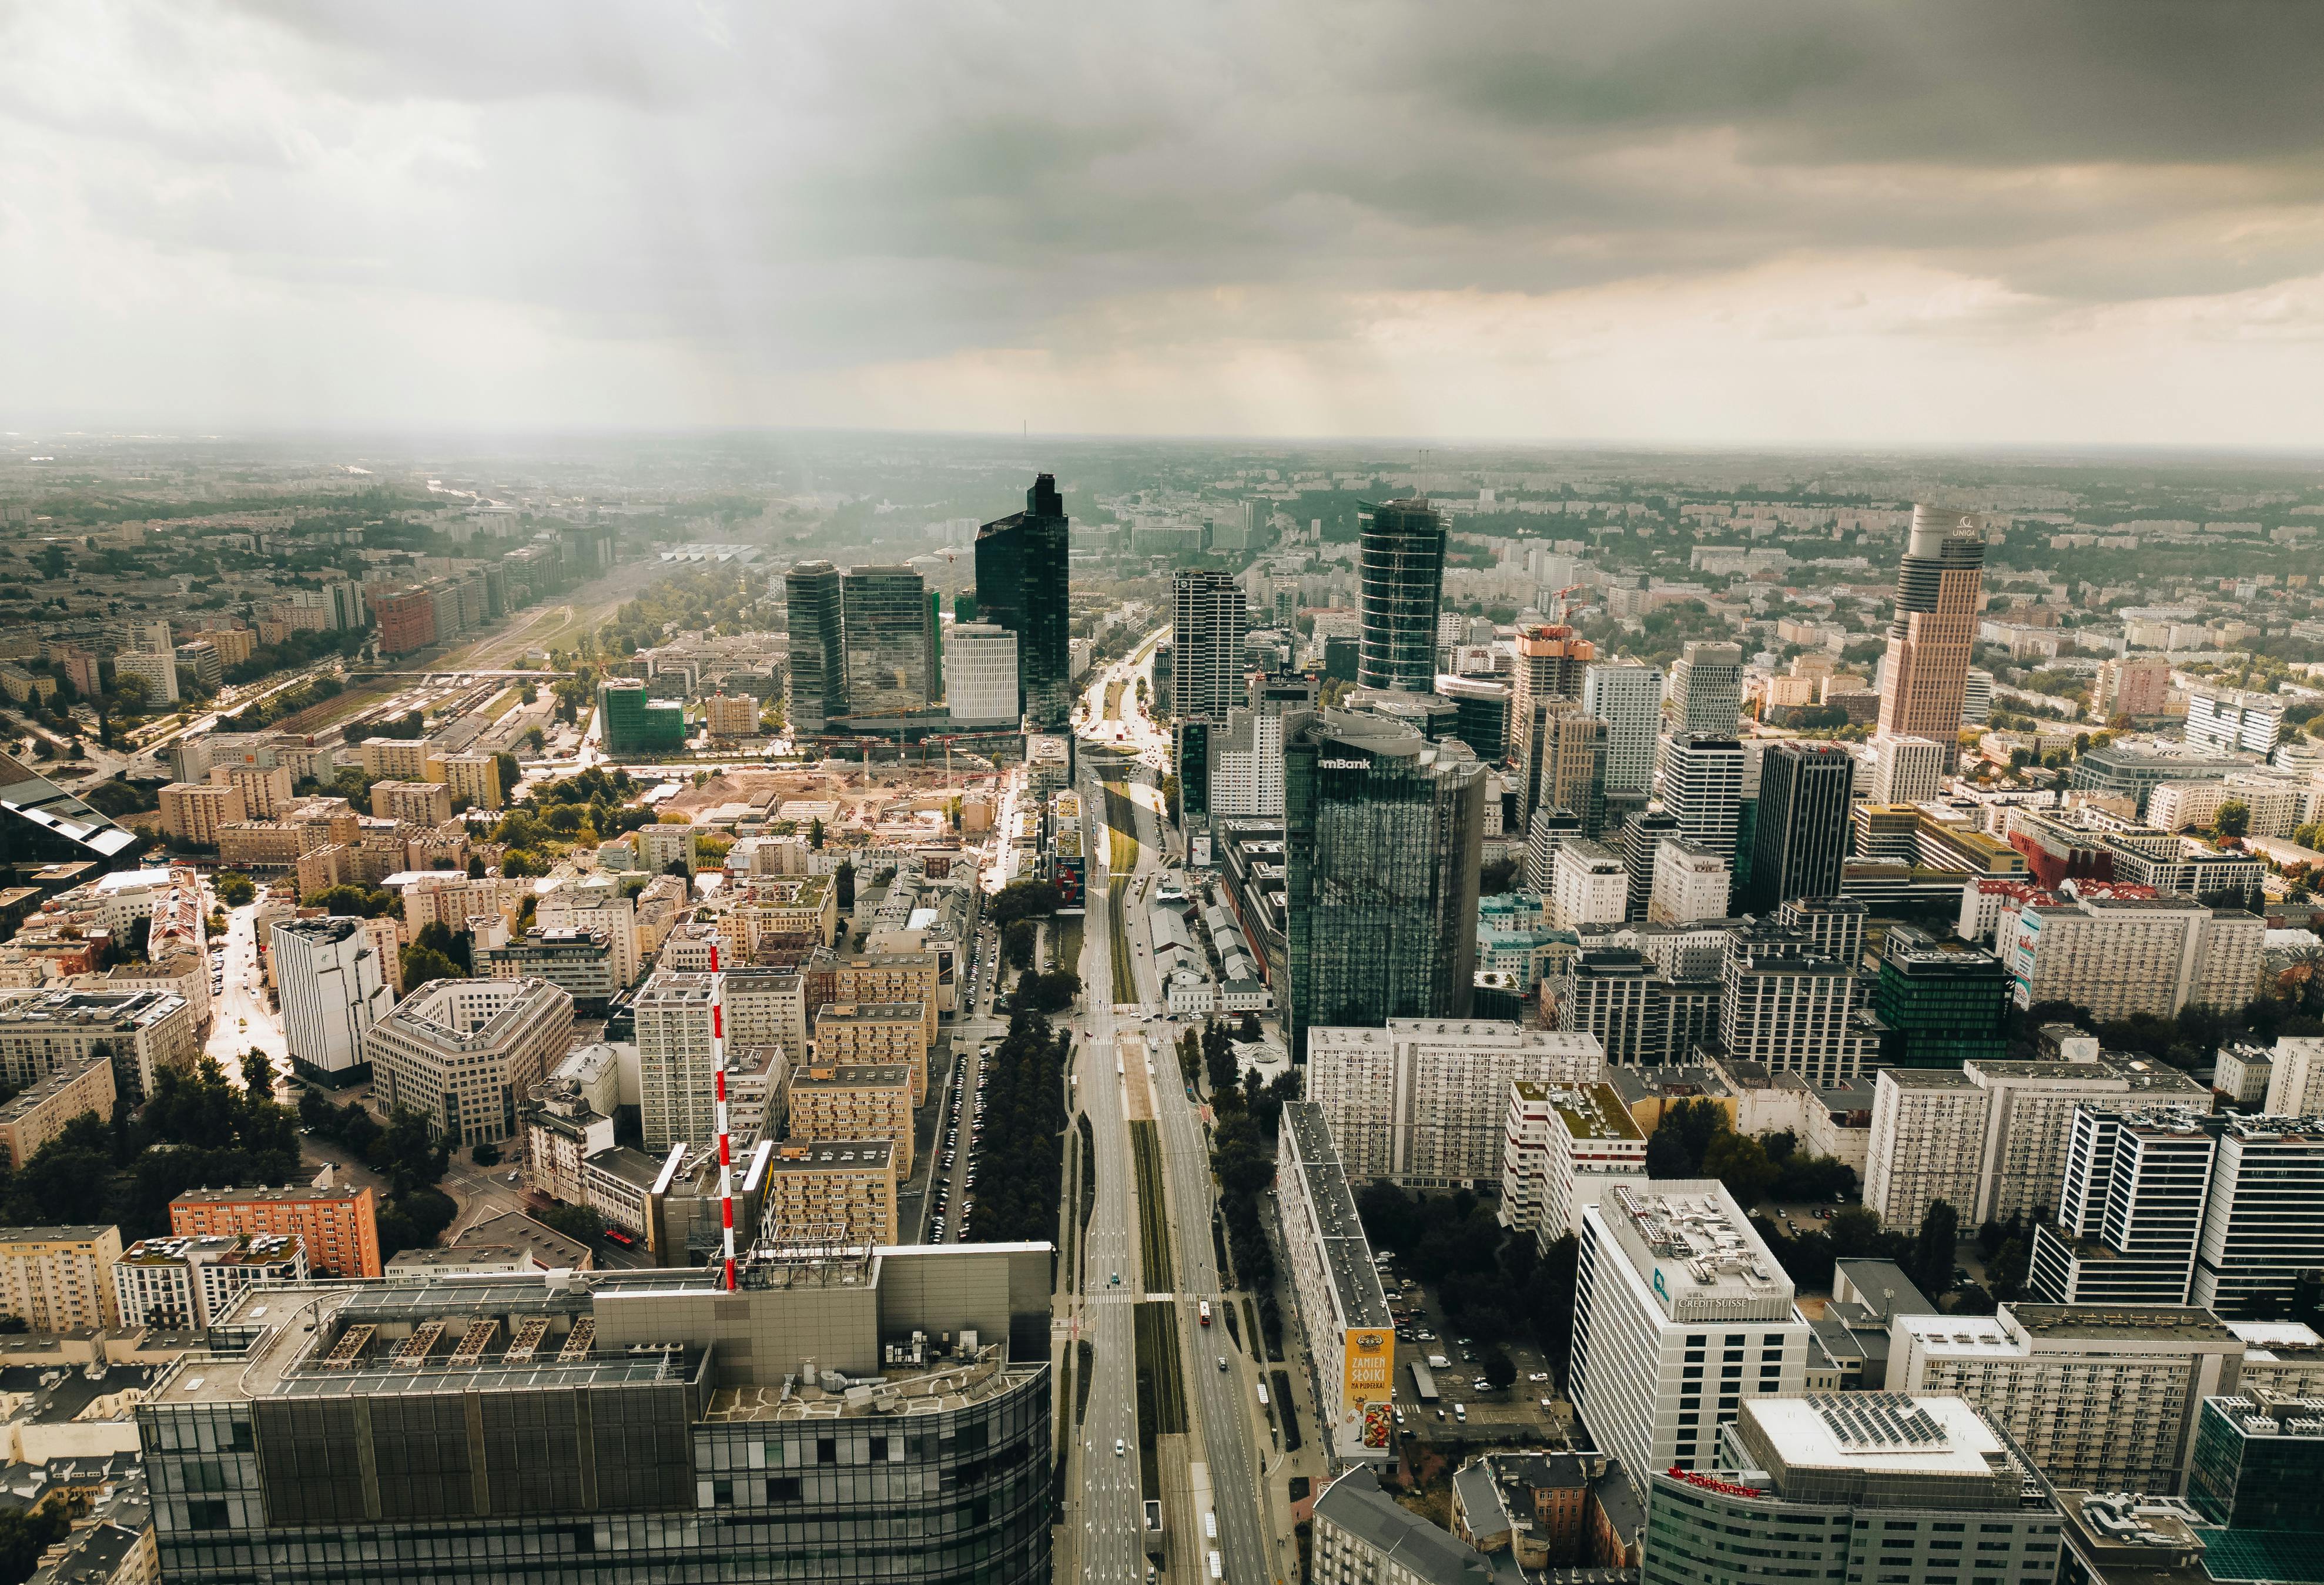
[1401, 562]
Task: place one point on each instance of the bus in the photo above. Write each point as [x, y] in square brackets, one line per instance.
[1218, 1566]
[1203, 1311]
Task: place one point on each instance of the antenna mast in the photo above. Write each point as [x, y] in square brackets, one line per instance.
[718, 1076]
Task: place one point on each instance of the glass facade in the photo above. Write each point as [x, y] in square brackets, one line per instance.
[2263, 1478]
[889, 640]
[1802, 834]
[1942, 1006]
[818, 657]
[560, 1486]
[635, 724]
[1401, 563]
[1382, 839]
[1021, 577]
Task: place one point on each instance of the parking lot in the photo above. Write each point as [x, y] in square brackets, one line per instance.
[1531, 1410]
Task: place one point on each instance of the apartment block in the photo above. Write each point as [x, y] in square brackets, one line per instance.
[858, 1032]
[339, 1227]
[412, 802]
[60, 1278]
[1590, 887]
[1421, 1101]
[1691, 881]
[474, 777]
[266, 788]
[2102, 1396]
[1341, 1310]
[43, 1032]
[182, 1283]
[855, 1100]
[197, 811]
[1927, 1130]
[676, 1074]
[394, 758]
[38, 1113]
[1564, 1146]
[2117, 956]
[728, 714]
[831, 1192]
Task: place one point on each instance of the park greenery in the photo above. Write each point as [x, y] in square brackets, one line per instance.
[1023, 1154]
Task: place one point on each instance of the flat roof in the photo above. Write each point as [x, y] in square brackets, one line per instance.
[1689, 1243]
[853, 1075]
[1878, 1432]
[831, 1155]
[1346, 1253]
[2184, 1322]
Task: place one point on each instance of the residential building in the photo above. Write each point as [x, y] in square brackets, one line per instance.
[1680, 1314]
[859, 1032]
[766, 1007]
[2133, 685]
[601, 905]
[266, 788]
[2130, 1210]
[1363, 1536]
[1549, 830]
[1642, 836]
[395, 758]
[1553, 663]
[1589, 888]
[2102, 1396]
[464, 1053]
[981, 676]
[1702, 785]
[1802, 836]
[159, 673]
[338, 1226]
[333, 988]
[579, 962]
[1341, 1310]
[1706, 690]
[642, 1386]
[1690, 882]
[831, 1192]
[1208, 622]
[816, 676]
[1939, 594]
[633, 723]
[855, 1100]
[2230, 721]
[1798, 1010]
[476, 777]
[1563, 1147]
[676, 1074]
[914, 977]
[1421, 1101]
[2029, 1123]
[725, 714]
[195, 812]
[1928, 1134]
[2295, 1082]
[2263, 1215]
[43, 1032]
[60, 1278]
[1400, 568]
[1856, 1486]
[184, 1283]
[1629, 698]
[1627, 1002]
[406, 619]
[1941, 1003]
[2120, 955]
[1022, 575]
[38, 1113]
[1384, 835]
[661, 845]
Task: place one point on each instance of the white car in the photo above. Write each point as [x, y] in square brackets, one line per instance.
[1118, 1447]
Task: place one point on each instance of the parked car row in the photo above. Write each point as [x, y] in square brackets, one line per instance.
[958, 1110]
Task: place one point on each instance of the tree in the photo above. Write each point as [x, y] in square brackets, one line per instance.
[438, 937]
[574, 1222]
[814, 833]
[1740, 1162]
[424, 965]
[2233, 819]
[1933, 1249]
[235, 889]
[485, 1155]
[1500, 1371]
[2006, 1272]
[1017, 939]
[842, 885]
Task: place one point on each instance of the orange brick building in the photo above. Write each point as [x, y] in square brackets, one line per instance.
[340, 1226]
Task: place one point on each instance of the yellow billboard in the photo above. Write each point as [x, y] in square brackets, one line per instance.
[1367, 1372]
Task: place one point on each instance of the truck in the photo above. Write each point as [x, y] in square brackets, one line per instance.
[1203, 1311]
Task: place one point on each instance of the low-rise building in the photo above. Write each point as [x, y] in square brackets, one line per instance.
[831, 1192]
[579, 962]
[1363, 1536]
[187, 1281]
[43, 1032]
[60, 1278]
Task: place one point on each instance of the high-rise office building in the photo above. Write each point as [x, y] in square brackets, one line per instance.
[1940, 592]
[1679, 1314]
[888, 635]
[981, 675]
[593, 1427]
[1909, 769]
[2130, 1210]
[1383, 836]
[1801, 837]
[2263, 1215]
[1552, 661]
[1871, 1486]
[2257, 1464]
[1785, 1002]
[464, 1054]
[1549, 830]
[1021, 580]
[817, 678]
[1562, 763]
[1702, 785]
[1706, 689]
[1400, 563]
[1480, 716]
[1642, 838]
[1942, 1003]
[333, 989]
[635, 723]
[1629, 698]
[1208, 622]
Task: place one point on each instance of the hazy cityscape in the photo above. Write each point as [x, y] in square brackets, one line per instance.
[1486, 797]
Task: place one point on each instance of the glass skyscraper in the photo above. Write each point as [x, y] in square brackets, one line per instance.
[1801, 836]
[1401, 559]
[1941, 1004]
[889, 636]
[1021, 579]
[1382, 837]
[818, 660]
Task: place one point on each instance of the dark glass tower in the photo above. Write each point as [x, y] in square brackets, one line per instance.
[819, 662]
[1801, 836]
[1022, 562]
[1941, 1004]
[890, 640]
[1401, 561]
[1382, 838]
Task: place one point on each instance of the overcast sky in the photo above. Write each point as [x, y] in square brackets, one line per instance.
[1746, 221]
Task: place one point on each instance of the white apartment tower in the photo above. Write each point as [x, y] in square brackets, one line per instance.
[1702, 786]
[980, 674]
[1909, 769]
[1691, 882]
[1706, 689]
[1629, 698]
[329, 977]
[1422, 1101]
[675, 1079]
[1589, 888]
[1679, 1314]
[1206, 666]
[1566, 1145]
[1928, 1125]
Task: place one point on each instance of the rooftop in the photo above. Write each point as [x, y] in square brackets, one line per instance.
[1878, 1432]
[1594, 1112]
[854, 1075]
[1346, 1252]
[2187, 1322]
[1689, 1243]
[1356, 1504]
[830, 1155]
